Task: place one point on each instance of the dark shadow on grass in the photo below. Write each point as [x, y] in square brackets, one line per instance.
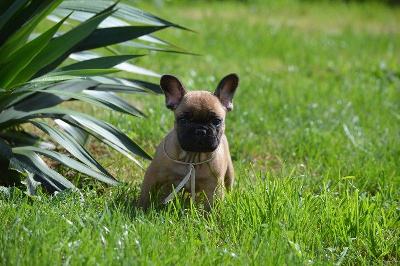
[125, 199]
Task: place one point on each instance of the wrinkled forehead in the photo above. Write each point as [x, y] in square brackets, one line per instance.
[200, 103]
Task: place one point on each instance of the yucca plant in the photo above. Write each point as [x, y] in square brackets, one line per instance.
[35, 79]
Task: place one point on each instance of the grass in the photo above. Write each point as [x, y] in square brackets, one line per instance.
[314, 136]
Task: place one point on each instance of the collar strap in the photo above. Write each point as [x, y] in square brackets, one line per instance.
[190, 175]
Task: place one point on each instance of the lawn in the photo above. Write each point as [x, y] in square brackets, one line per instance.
[314, 138]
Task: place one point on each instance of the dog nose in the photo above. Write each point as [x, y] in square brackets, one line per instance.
[200, 132]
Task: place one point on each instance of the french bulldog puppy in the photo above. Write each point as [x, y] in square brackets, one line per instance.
[197, 140]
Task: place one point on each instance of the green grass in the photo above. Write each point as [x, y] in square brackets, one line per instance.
[314, 135]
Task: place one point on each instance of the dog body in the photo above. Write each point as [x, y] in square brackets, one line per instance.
[197, 138]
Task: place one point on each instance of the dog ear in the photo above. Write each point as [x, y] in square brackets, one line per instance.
[226, 89]
[173, 90]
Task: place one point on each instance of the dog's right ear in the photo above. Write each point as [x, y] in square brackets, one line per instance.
[173, 90]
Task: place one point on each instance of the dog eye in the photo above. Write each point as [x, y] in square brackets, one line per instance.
[217, 121]
[182, 120]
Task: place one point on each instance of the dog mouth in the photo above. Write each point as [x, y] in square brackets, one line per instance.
[196, 144]
[199, 149]
[198, 137]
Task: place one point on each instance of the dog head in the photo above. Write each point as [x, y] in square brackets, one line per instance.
[199, 115]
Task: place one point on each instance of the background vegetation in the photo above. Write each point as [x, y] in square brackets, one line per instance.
[314, 136]
[389, 2]
[35, 90]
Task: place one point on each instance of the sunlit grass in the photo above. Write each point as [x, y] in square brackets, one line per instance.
[267, 219]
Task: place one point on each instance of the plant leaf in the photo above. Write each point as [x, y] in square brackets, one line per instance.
[120, 150]
[83, 121]
[9, 98]
[22, 107]
[108, 36]
[28, 161]
[123, 66]
[113, 102]
[68, 76]
[20, 58]
[23, 25]
[114, 22]
[81, 136]
[83, 73]
[100, 127]
[10, 11]
[100, 62]
[24, 138]
[114, 99]
[151, 86]
[70, 145]
[123, 11]
[5, 155]
[104, 129]
[127, 82]
[32, 186]
[58, 47]
[107, 131]
[101, 38]
[64, 159]
[83, 16]
[154, 47]
[119, 88]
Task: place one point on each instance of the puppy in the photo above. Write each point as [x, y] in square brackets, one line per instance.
[195, 153]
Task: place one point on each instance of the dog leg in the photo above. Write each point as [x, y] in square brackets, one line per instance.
[165, 190]
[229, 176]
[211, 191]
[147, 189]
[149, 186]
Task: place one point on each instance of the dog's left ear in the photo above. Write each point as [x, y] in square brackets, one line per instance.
[226, 89]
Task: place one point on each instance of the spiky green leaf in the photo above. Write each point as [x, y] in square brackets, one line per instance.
[100, 62]
[70, 145]
[58, 47]
[64, 159]
[30, 162]
[14, 63]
